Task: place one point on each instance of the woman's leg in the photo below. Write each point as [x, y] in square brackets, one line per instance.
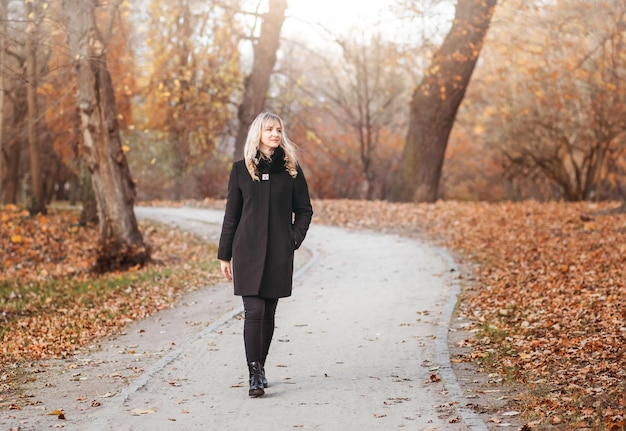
[258, 327]
[258, 330]
[254, 308]
[268, 325]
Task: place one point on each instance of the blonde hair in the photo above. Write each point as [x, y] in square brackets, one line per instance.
[251, 147]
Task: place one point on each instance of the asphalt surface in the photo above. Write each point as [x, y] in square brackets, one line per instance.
[361, 345]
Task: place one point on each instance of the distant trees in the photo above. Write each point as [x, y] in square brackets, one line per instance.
[366, 94]
[347, 112]
[32, 172]
[542, 117]
[188, 98]
[21, 69]
[572, 128]
[549, 104]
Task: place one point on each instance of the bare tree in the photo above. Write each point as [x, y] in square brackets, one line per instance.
[4, 5]
[14, 108]
[257, 83]
[436, 100]
[365, 98]
[557, 124]
[34, 14]
[121, 242]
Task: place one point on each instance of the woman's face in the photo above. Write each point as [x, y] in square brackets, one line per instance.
[271, 135]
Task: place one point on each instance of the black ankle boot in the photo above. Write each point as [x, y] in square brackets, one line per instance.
[256, 385]
[263, 378]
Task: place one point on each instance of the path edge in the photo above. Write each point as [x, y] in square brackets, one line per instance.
[442, 354]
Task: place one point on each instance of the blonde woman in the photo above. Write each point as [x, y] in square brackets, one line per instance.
[268, 212]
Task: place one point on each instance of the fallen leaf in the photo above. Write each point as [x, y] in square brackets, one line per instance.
[139, 412]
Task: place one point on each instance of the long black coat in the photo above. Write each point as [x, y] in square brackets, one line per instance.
[264, 223]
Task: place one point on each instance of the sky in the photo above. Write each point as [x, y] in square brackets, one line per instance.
[307, 17]
[318, 23]
[338, 16]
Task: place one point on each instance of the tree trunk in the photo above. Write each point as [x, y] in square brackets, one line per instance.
[11, 181]
[38, 204]
[3, 32]
[82, 189]
[13, 148]
[89, 211]
[257, 83]
[121, 243]
[436, 100]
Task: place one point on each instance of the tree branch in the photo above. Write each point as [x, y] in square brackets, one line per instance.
[108, 26]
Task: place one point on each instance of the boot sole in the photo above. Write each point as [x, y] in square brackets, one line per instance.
[256, 393]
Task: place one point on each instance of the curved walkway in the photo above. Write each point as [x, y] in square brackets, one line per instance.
[361, 345]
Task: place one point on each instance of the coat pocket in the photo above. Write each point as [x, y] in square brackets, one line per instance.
[294, 241]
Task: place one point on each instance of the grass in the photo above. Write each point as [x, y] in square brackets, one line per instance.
[54, 317]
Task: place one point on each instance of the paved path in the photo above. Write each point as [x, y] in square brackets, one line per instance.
[359, 346]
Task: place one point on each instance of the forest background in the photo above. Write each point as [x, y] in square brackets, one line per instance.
[541, 120]
[543, 117]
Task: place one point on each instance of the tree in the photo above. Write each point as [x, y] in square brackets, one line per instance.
[436, 99]
[574, 130]
[4, 5]
[256, 84]
[66, 177]
[194, 71]
[343, 105]
[553, 115]
[367, 98]
[34, 15]
[14, 109]
[121, 242]
[30, 164]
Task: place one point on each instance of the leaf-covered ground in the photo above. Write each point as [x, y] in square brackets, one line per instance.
[51, 304]
[547, 296]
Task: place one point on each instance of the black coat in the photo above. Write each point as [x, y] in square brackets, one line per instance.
[264, 223]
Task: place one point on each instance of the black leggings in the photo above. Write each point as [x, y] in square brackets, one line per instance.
[258, 327]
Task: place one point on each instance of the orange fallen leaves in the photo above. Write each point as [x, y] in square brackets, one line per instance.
[50, 302]
[35, 248]
[549, 292]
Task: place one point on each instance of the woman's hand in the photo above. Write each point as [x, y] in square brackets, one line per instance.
[227, 269]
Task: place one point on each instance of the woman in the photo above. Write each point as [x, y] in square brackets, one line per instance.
[268, 212]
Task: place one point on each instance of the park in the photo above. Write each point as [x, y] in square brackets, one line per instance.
[466, 263]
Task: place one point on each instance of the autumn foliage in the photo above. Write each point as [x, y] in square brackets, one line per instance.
[548, 295]
[52, 303]
[544, 285]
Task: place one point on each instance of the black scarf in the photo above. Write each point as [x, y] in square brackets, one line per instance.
[276, 163]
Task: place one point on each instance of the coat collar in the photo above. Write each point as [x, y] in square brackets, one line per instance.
[275, 164]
